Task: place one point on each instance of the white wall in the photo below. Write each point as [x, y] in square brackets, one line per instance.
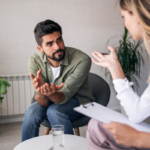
[86, 24]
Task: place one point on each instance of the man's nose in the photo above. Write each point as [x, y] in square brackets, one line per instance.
[56, 46]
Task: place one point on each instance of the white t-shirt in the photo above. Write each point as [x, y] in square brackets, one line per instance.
[137, 108]
[55, 72]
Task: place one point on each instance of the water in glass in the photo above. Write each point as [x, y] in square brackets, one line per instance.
[58, 137]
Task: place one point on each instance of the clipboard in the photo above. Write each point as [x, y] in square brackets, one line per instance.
[106, 115]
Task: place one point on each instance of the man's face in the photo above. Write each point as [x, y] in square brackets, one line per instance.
[53, 46]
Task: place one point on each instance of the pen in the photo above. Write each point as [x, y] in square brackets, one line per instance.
[105, 53]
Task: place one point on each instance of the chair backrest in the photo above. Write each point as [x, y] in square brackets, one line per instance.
[100, 89]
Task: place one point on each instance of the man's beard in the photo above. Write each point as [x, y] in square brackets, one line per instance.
[60, 56]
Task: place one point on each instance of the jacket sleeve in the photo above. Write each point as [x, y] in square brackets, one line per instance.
[75, 80]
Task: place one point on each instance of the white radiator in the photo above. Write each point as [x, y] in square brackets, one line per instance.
[19, 95]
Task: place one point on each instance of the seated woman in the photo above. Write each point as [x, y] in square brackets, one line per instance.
[116, 136]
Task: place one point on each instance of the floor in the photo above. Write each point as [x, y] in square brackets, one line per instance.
[10, 135]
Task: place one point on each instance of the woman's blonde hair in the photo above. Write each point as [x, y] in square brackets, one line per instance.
[141, 8]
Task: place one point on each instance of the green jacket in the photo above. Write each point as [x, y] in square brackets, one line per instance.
[74, 70]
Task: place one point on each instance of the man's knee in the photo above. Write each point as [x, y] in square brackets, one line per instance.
[29, 116]
[54, 112]
[33, 112]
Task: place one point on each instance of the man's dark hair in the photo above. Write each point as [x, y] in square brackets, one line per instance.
[44, 28]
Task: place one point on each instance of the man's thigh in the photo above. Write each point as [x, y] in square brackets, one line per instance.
[35, 110]
[66, 108]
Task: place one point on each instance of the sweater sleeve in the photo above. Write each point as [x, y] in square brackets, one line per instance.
[137, 108]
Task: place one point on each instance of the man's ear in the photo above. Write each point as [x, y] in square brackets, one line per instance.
[40, 49]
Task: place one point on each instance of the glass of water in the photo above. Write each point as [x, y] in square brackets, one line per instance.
[58, 137]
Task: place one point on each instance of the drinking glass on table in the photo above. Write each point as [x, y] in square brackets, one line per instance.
[58, 137]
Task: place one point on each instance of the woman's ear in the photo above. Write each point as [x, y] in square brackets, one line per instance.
[136, 19]
[40, 49]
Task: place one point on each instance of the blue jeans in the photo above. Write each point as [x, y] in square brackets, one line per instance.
[55, 113]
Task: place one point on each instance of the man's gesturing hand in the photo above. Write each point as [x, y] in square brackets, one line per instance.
[49, 90]
[37, 81]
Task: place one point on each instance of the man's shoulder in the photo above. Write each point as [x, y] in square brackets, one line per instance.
[37, 57]
[75, 53]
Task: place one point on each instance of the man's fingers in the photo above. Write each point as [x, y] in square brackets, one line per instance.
[44, 88]
[61, 85]
[32, 76]
[39, 73]
[48, 87]
[38, 90]
[52, 84]
[36, 85]
[34, 81]
[58, 87]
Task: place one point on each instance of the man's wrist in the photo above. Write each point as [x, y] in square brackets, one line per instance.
[42, 95]
[57, 97]
[48, 95]
[51, 95]
[42, 99]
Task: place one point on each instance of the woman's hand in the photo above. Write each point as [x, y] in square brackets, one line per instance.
[110, 62]
[123, 133]
[105, 60]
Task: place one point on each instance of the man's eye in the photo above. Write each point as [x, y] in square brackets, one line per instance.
[49, 44]
[59, 40]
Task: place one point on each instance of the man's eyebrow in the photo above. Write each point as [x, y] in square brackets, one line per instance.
[60, 37]
[50, 42]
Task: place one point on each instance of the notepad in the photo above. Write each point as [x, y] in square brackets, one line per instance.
[106, 115]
